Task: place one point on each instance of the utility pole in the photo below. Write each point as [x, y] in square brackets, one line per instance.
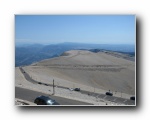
[53, 88]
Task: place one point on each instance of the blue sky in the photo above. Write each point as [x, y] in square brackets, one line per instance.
[96, 29]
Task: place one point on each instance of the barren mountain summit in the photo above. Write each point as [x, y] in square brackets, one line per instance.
[82, 57]
[102, 70]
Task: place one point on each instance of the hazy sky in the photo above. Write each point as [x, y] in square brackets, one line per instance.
[99, 29]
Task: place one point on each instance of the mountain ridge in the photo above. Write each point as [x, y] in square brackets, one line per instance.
[28, 54]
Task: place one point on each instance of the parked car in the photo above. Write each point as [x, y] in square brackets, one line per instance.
[45, 100]
[39, 83]
[46, 84]
[71, 89]
[77, 89]
[109, 93]
[132, 98]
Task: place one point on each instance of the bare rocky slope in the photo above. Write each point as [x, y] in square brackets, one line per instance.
[87, 70]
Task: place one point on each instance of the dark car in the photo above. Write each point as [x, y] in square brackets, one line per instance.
[46, 84]
[45, 100]
[132, 98]
[109, 93]
[39, 83]
[77, 89]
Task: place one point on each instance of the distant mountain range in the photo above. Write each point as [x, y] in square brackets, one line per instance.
[29, 53]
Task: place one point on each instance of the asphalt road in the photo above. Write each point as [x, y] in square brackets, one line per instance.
[30, 95]
[114, 99]
[28, 78]
[26, 75]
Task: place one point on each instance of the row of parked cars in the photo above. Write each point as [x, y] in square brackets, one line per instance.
[111, 94]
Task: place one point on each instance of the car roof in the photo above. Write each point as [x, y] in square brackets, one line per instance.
[44, 97]
[48, 100]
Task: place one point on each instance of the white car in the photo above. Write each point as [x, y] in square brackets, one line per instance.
[71, 89]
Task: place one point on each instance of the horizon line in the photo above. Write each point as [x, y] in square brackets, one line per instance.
[74, 43]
